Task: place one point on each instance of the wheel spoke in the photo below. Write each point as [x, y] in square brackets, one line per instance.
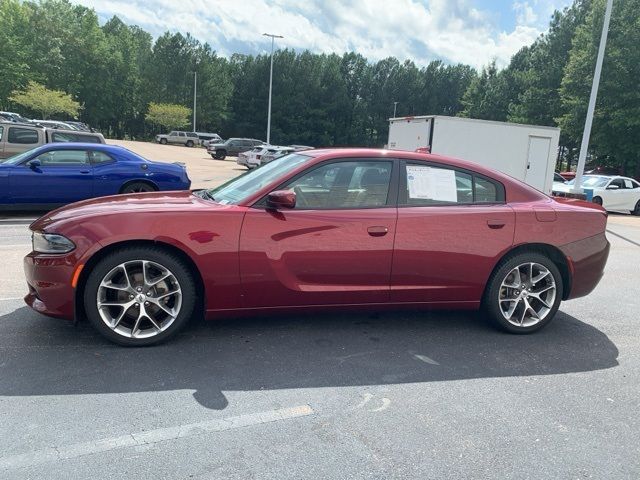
[167, 294]
[159, 279]
[540, 276]
[512, 308]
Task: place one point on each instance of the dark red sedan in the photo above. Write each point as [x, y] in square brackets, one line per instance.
[315, 230]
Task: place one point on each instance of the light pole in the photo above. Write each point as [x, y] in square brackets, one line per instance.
[195, 91]
[395, 104]
[273, 37]
[582, 157]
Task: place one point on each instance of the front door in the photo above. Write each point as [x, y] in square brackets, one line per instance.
[64, 176]
[334, 248]
[452, 224]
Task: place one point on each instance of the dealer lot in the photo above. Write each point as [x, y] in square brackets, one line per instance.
[387, 395]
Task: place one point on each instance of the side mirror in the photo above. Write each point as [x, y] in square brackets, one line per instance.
[33, 164]
[281, 199]
[613, 187]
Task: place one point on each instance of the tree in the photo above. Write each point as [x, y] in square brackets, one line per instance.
[168, 115]
[40, 99]
[615, 138]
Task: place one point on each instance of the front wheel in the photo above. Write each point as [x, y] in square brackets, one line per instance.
[524, 293]
[636, 211]
[597, 200]
[220, 155]
[139, 296]
[163, 141]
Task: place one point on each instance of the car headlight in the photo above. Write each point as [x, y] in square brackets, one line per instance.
[51, 243]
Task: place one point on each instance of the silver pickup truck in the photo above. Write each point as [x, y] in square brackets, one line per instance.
[19, 137]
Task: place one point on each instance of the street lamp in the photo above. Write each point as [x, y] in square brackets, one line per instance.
[582, 157]
[273, 37]
[195, 90]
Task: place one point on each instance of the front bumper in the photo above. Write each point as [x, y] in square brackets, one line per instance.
[49, 281]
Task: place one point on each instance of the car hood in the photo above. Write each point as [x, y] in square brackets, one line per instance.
[142, 203]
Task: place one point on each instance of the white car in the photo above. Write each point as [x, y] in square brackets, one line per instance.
[275, 152]
[558, 181]
[614, 193]
[254, 156]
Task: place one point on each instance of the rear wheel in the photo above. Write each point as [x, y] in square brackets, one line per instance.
[137, 187]
[220, 155]
[163, 141]
[597, 200]
[139, 296]
[524, 293]
[189, 143]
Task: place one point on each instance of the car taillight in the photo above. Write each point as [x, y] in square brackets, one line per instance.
[258, 157]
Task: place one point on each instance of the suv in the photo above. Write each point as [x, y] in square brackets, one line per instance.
[189, 139]
[232, 146]
[19, 137]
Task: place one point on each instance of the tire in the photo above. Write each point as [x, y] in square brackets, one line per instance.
[220, 155]
[137, 187]
[163, 141]
[189, 143]
[545, 304]
[636, 211]
[181, 303]
[597, 200]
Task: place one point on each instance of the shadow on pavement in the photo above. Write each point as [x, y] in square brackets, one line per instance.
[41, 356]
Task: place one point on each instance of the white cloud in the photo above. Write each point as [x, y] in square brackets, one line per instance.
[453, 30]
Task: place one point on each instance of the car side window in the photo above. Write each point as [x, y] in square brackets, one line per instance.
[101, 158]
[340, 185]
[428, 185]
[635, 184]
[618, 182]
[62, 158]
[191, 134]
[1, 132]
[628, 184]
[181, 134]
[233, 143]
[22, 135]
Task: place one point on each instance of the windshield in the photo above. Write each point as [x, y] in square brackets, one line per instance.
[591, 181]
[16, 159]
[235, 191]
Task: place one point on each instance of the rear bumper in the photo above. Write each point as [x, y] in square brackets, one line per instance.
[49, 282]
[587, 259]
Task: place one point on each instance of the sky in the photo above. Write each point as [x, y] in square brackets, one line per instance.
[473, 32]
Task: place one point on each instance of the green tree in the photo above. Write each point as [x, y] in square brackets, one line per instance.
[615, 137]
[168, 115]
[46, 102]
[487, 95]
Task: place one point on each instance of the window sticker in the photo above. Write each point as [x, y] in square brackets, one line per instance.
[432, 183]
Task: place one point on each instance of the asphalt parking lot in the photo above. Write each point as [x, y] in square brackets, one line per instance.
[389, 395]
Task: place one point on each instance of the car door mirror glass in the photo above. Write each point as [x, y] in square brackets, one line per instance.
[281, 199]
[33, 164]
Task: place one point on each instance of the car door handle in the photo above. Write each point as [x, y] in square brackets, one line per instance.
[495, 224]
[377, 231]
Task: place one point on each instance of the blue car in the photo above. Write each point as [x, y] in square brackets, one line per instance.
[60, 173]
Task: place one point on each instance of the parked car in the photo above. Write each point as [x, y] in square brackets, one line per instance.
[614, 193]
[206, 138]
[19, 137]
[276, 152]
[14, 117]
[254, 156]
[232, 146]
[79, 126]
[57, 174]
[313, 230]
[568, 175]
[189, 139]
[55, 124]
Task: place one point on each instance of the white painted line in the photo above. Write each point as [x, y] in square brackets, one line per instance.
[425, 359]
[16, 245]
[63, 452]
[10, 299]
[385, 404]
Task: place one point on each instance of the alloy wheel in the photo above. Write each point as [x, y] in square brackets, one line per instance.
[139, 299]
[527, 294]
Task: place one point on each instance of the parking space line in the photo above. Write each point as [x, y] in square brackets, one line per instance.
[149, 437]
[623, 237]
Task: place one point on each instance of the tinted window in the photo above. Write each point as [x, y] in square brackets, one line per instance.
[64, 158]
[22, 135]
[1, 132]
[617, 182]
[558, 178]
[59, 136]
[191, 134]
[181, 134]
[343, 185]
[428, 185]
[99, 158]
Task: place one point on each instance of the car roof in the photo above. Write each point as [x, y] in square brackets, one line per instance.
[84, 145]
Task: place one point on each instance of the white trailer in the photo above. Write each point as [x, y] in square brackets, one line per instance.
[525, 152]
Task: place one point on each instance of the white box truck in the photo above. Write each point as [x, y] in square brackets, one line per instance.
[525, 152]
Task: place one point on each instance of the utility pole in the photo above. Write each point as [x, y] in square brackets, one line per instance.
[195, 89]
[273, 37]
[582, 157]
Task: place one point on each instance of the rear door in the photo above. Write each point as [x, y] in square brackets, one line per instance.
[334, 248]
[64, 176]
[452, 224]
